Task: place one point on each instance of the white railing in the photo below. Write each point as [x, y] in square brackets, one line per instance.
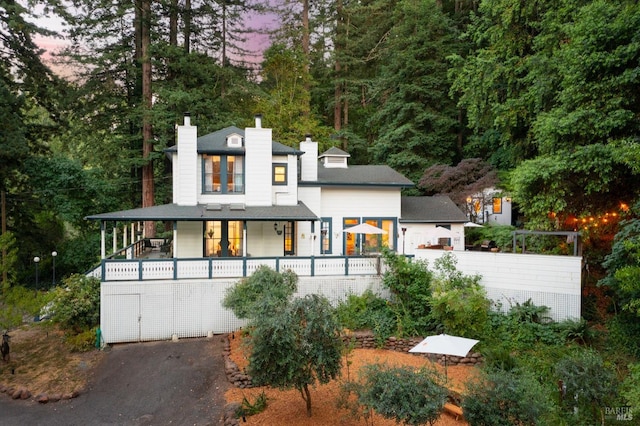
[175, 269]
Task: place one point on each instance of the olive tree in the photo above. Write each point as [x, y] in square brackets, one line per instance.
[296, 346]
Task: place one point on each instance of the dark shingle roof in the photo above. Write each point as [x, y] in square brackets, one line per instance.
[203, 212]
[377, 175]
[216, 143]
[436, 209]
[335, 152]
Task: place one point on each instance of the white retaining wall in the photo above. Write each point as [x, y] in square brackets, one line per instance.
[510, 278]
[156, 310]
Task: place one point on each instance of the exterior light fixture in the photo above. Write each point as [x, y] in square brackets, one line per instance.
[275, 228]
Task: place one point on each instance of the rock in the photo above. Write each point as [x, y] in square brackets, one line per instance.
[55, 397]
[42, 398]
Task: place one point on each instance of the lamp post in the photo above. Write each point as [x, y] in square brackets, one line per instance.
[36, 260]
[53, 256]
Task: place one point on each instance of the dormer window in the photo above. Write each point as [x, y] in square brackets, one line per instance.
[234, 141]
[334, 158]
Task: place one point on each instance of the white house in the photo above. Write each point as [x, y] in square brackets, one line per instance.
[242, 200]
[238, 193]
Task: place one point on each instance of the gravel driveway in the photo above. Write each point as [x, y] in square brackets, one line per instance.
[156, 383]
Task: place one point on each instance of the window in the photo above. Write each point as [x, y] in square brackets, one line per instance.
[289, 239]
[373, 243]
[279, 174]
[223, 238]
[497, 205]
[325, 236]
[223, 174]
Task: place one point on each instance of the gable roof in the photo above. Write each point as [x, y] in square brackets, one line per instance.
[216, 143]
[434, 209]
[363, 175]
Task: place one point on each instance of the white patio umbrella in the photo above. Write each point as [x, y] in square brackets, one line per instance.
[445, 344]
[472, 225]
[364, 228]
[442, 232]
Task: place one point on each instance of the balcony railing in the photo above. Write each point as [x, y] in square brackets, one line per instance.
[206, 268]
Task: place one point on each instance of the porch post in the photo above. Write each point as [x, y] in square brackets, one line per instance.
[114, 242]
[124, 236]
[103, 243]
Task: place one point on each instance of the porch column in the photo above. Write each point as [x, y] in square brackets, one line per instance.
[103, 243]
[115, 240]
[124, 236]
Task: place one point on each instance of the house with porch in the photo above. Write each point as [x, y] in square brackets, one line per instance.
[242, 200]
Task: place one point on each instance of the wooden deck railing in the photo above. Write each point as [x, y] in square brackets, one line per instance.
[119, 269]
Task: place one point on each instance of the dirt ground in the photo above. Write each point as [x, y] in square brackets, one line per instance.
[41, 363]
[287, 407]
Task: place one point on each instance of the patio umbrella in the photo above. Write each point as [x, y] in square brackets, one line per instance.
[364, 228]
[472, 225]
[445, 344]
[442, 232]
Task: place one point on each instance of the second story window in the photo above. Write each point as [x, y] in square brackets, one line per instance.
[223, 174]
[279, 174]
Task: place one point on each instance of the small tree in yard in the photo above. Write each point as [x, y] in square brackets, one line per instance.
[296, 347]
[400, 393]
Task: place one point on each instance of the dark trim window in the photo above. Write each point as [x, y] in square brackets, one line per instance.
[223, 174]
[280, 174]
[325, 235]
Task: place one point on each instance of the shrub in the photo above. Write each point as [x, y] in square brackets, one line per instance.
[590, 385]
[265, 290]
[506, 398]
[76, 304]
[367, 312]
[410, 286]
[458, 302]
[83, 341]
[400, 393]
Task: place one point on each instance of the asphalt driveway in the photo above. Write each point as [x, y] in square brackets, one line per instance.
[156, 383]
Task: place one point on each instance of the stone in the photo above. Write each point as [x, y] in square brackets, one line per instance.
[42, 398]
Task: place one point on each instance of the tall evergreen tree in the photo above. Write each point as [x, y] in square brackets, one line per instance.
[415, 118]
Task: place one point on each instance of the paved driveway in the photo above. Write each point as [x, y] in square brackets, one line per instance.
[157, 383]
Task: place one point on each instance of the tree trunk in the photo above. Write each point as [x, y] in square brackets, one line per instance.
[147, 132]
[307, 397]
[187, 26]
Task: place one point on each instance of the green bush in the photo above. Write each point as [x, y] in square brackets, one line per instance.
[506, 398]
[590, 385]
[83, 341]
[458, 302]
[367, 312]
[398, 393]
[410, 286]
[265, 291]
[76, 303]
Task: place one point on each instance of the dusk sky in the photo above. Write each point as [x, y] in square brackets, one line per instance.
[51, 44]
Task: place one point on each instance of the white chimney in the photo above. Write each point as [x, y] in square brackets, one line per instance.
[185, 179]
[258, 121]
[309, 160]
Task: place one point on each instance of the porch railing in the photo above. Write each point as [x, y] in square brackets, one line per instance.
[205, 268]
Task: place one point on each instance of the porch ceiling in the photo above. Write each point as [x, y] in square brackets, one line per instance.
[202, 212]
